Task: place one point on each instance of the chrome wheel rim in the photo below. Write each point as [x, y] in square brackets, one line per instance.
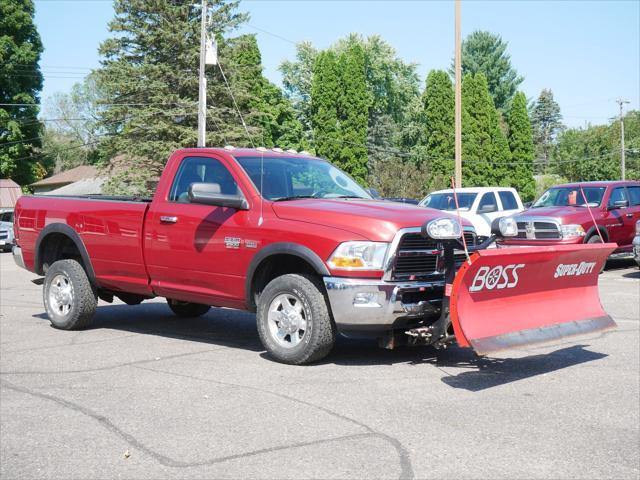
[287, 320]
[61, 295]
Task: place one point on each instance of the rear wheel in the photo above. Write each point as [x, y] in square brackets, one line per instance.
[69, 298]
[293, 320]
[187, 309]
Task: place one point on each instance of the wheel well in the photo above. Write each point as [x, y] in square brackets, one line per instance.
[54, 247]
[592, 231]
[272, 267]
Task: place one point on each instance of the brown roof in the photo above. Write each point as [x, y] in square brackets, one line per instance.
[9, 193]
[68, 176]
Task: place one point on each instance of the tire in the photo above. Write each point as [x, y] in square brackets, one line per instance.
[306, 333]
[595, 238]
[187, 309]
[69, 298]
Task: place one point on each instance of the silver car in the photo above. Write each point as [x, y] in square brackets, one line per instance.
[6, 231]
[636, 244]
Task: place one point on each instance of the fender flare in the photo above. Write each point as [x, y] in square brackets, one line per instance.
[280, 248]
[70, 233]
[592, 230]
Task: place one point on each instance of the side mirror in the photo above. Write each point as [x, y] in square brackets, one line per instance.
[209, 194]
[487, 208]
[619, 204]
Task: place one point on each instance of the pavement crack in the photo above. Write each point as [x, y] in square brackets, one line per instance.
[109, 367]
[406, 467]
[163, 459]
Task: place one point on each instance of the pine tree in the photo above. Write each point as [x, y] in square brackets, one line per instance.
[485, 151]
[150, 71]
[521, 146]
[486, 52]
[324, 102]
[546, 121]
[438, 134]
[353, 113]
[20, 83]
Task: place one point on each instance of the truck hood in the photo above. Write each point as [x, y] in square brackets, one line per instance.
[566, 215]
[372, 219]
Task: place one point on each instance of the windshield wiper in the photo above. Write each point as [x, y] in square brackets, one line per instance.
[346, 196]
[293, 197]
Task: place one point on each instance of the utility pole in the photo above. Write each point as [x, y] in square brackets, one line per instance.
[458, 98]
[202, 82]
[621, 102]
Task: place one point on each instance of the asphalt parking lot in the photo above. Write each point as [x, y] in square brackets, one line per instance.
[143, 394]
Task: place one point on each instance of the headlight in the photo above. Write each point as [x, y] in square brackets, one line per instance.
[359, 256]
[571, 231]
[638, 227]
[444, 228]
[508, 227]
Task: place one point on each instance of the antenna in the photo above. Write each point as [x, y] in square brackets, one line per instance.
[261, 219]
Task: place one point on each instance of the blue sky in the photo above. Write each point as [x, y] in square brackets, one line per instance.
[587, 52]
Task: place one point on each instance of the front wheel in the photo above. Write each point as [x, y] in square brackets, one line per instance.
[69, 297]
[293, 320]
[187, 309]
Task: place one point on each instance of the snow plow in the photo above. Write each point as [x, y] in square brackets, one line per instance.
[504, 298]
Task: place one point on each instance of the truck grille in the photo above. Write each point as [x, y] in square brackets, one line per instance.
[538, 230]
[418, 257]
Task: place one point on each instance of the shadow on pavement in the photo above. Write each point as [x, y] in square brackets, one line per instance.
[493, 372]
[237, 329]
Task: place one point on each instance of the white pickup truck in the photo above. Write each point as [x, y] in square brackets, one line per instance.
[479, 205]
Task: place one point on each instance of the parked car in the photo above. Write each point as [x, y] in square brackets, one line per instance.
[299, 242]
[481, 205]
[636, 244]
[6, 231]
[560, 216]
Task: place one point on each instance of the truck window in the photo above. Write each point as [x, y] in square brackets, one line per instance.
[617, 195]
[201, 170]
[508, 200]
[634, 195]
[488, 203]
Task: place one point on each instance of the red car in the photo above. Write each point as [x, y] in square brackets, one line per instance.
[560, 216]
[300, 243]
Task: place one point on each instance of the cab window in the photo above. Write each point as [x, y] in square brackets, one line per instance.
[634, 195]
[201, 170]
[617, 195]
[508, 200]
[488, 203]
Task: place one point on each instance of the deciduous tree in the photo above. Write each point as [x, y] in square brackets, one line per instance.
[20, 84]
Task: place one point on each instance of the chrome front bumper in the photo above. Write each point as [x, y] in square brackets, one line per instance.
[361, 305]
[17, 256]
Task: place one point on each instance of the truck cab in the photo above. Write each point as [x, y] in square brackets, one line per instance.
[588, 212]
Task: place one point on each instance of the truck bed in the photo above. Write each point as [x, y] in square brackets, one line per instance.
[110, 227]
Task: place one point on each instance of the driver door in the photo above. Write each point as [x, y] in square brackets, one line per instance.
[193, 250]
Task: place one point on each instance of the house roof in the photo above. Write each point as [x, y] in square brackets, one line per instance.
[68, 176]
[87, 186]
[9, 193]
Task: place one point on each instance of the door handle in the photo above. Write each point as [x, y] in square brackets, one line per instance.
[167, 219]
[629, 215]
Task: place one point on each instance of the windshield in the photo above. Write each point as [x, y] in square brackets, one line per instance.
[570, 196]
[445, 201]
[288, 178]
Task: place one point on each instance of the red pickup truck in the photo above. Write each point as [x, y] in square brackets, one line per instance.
[297, 241]
[560, 216]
